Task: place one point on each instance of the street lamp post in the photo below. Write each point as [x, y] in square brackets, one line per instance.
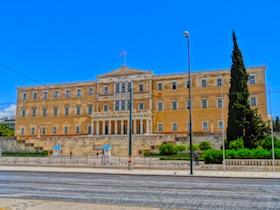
[190, 107]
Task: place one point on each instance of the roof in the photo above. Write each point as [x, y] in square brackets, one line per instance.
[57, 147]
[106, 146]
[124, 70]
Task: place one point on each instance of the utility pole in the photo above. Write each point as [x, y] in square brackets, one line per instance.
[130, 131]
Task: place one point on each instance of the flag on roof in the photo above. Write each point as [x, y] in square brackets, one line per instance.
[123, 53]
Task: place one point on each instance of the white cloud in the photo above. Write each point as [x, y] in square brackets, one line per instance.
[8, 112]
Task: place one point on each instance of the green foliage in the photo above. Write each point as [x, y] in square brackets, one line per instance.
[261, 154]
[236, 144]
[6, 131]
[266, 143]
[167, 149]
[277, 153]
[194, 147]
[151, 154]
[181, 148]
[178, 158]
[23, 154]
[205, 145]
[213, 157]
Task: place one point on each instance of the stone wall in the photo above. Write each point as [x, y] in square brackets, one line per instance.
[10, 144]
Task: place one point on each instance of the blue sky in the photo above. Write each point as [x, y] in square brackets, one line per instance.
[69, 40]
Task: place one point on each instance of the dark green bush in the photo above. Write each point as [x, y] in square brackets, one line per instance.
[167, 149]
[266, 143]
[213, 156]
[205, 145]
[261, 154]
[23, 154]
[194, 146]
[236, 144]
[181, 148]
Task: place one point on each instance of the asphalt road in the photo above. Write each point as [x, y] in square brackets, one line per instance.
[153, 191]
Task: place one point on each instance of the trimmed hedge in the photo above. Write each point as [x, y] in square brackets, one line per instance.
[216, 156]
[24, 154]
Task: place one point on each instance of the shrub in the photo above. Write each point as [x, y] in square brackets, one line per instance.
[261, 154]
[213, 157]
[167, 149]
[236, 144]
[205, 145]
[194, 147]
[181, 148]
[23, 154]
[266, 143]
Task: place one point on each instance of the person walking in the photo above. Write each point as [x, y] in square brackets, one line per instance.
[196, 156]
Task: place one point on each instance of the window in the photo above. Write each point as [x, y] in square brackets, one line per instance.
[123, 104]
[203, 82]
[89, 129]
[44, 112]
[34, 95]
[188, 104]
[24, 96]
[89, 109]
[56, 94]
[78, 110]
[67, 93]
[23, 113]
[219, 81]
[220, 103]
[128, 86]
[160, 126]
[77, 129]
[174, 126]
[173, 85]
[66, 129]
[43, 130]
[159, 85]
[90, 91]
[54, 130]
[159, 105]
[66, 110]
[204, 125]
[123, 87]
[220, 125]
[141, 106]
[252, 79]
[117, 87]
[22, 131]
[141, 87]
[105, 91]
[174, 105]
[34, 110]
[33, 130]
[204, 103]
[45, 94]
[253, 101]
[55, 111]
[188, 84]
[79, 92]
[117, 105]
[105, 107]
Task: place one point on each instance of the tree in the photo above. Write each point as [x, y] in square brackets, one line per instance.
[181, 148]
[238, 94]
[5, 130]
[276, 125]
[166, 149]
[205, 145]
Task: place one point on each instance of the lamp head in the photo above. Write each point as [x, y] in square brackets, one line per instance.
[186, 34]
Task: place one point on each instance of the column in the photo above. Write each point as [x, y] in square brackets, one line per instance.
[127, 127]
[97, 127]
[141, 126]
[121, 126]
[134, 127]
[103, 127]
[151, 126]
[147, 126]
[116, 127]
[109, 127]
[92, 127]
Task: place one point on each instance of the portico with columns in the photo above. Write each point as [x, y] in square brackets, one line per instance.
[117, 123]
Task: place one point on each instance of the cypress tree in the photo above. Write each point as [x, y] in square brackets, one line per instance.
[276, 125]
[238, 95]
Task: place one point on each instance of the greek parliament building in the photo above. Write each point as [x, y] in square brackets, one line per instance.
[160, 104]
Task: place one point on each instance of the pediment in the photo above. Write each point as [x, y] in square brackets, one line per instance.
[124, 71]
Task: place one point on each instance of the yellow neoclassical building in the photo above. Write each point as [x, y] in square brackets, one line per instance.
[160, 104]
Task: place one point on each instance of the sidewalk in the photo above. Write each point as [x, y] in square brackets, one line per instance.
[145, 172]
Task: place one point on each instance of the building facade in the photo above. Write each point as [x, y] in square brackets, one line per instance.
[160, 104]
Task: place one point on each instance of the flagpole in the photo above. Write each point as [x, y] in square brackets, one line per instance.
[125, 59]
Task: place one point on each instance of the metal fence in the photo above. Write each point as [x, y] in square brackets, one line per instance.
[93, 161]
